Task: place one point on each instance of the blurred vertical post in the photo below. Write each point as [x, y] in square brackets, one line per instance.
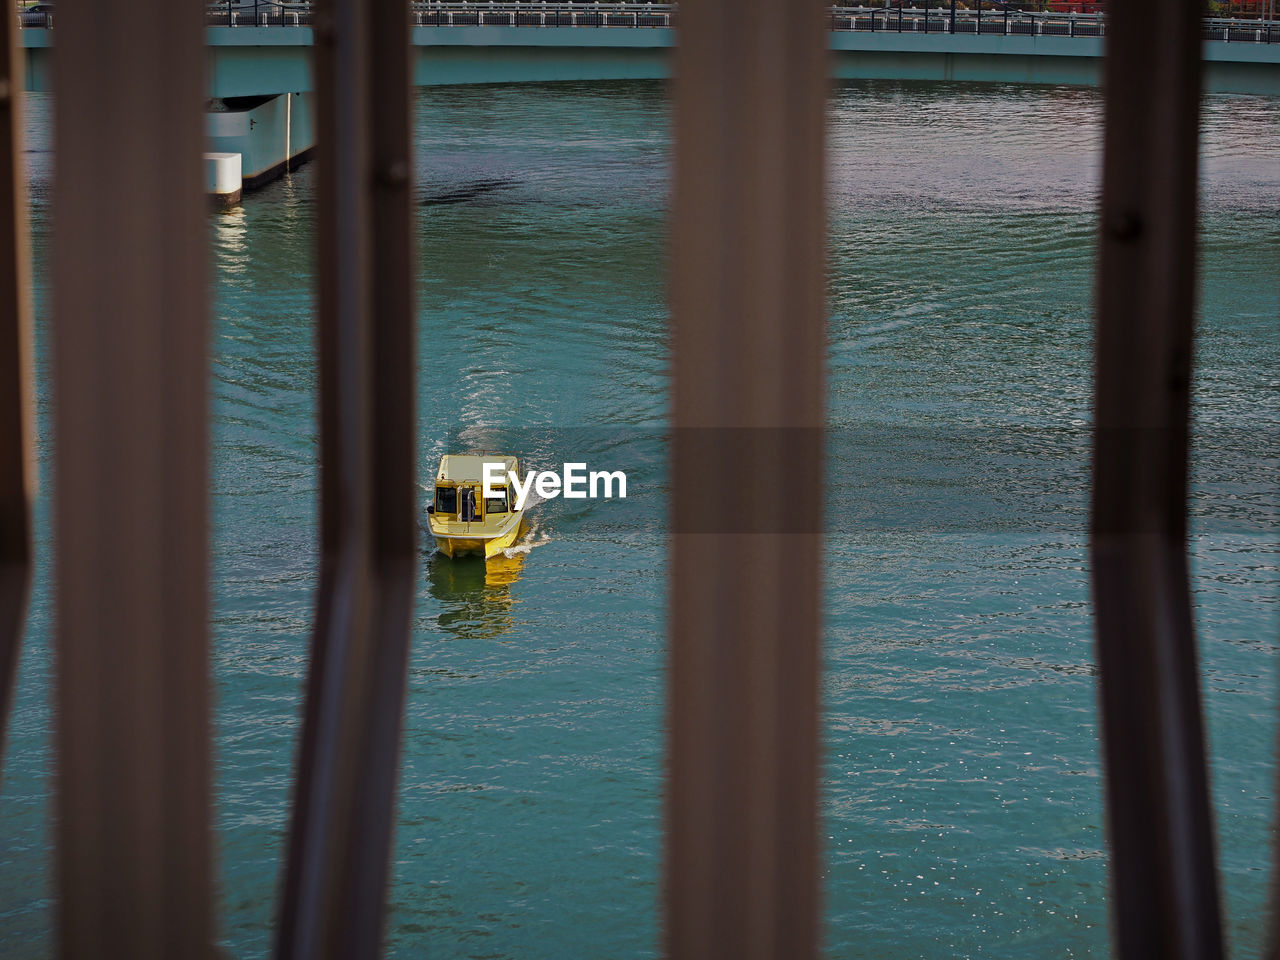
[345, 794]
[17, 428]
[1163, 870]
[748, 352]
[130, 373]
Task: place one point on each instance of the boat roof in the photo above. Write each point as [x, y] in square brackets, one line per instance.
[470, 466]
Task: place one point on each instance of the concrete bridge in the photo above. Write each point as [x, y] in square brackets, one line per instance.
[260, 82]
[259, 48]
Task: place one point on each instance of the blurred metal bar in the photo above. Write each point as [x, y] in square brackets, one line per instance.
[130, 371]
[17, 422]
[344, 807]
[1163, 871]
[748, 351]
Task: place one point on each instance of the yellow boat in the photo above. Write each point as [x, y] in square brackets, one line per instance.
[462, 520]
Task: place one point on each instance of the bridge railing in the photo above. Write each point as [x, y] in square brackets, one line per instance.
[940, 18]
[544, 14]
[920, 17]
[1009, 20]
[1242, 31]
[258, 13]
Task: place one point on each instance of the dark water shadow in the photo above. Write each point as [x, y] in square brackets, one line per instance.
[464, 192]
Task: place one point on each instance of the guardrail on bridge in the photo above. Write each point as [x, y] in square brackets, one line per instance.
[929, 17]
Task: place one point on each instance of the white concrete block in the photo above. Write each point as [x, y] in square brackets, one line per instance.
[222, 176]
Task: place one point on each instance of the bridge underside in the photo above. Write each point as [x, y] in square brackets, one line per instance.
[254, 61]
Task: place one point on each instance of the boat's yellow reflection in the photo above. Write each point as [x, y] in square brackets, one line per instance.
[475, 594]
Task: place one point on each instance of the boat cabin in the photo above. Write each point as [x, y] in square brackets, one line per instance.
[459, 493]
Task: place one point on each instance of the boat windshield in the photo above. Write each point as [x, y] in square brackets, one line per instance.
[496, 504]
[446, 499]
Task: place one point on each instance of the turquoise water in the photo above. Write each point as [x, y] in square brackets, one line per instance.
[961, 802]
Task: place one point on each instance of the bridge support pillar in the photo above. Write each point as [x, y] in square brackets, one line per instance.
[272, 134]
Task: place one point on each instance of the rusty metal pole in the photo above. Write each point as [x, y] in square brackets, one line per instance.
[748, 381]
[131, 483]
[344, 803]
[1163, 869]
[17, 422]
